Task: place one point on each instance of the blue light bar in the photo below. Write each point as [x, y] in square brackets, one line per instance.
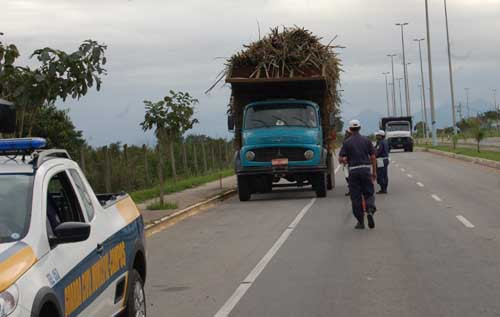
[20, 145]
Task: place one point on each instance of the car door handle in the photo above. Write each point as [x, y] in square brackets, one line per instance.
[100, 248]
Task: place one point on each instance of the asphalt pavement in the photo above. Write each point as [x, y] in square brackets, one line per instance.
[435, 251]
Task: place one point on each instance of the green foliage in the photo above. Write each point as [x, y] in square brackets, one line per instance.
[56, 126]
[489, 155]
[189, 182]
[165, 206]
[454, 140]
[59, 75]
[479, 134]
[170, 117]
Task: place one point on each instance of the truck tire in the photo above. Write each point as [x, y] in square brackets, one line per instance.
[320, 186]
[136, 298]
[244, 189]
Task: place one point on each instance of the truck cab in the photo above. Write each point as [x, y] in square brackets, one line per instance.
[398, 132]
[282, 139]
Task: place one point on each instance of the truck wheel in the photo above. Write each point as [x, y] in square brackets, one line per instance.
[329, 182]
[411, 148]
[244, 188]
[136, 298]
[321, 185]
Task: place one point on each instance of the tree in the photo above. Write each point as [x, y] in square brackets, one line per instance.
[479, 134]
[56, 127]
[59, 75]
[170, 118]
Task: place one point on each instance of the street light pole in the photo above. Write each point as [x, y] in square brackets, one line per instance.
[424, 128]
[393, 84]
[431, 83]
[408, 109]
[496, 109]
[423, 83]
[405, 72]
[400, 97]
[387, 94]
[454, 117]
[468, 109]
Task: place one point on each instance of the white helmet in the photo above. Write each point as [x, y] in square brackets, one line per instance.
[380, 132]
[354, 124]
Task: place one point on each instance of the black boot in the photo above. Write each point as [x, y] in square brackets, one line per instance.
[371, 221]
[360, 226]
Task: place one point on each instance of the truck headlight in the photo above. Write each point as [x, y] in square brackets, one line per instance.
[250, 155]
[309, 155]
[8, 300]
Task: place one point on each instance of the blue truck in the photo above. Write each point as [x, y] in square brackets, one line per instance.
[283, 134]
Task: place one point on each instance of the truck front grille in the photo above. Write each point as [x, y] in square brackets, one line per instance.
[293, 154]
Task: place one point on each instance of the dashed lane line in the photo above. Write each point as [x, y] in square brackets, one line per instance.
[254, 274]
[436, 197]
[410, 176]
[465, 222]
[419, 184]
[403, 170]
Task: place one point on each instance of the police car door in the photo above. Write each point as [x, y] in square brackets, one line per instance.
[77, 287]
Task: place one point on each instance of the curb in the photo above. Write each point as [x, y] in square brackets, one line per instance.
[470, 159]
[162, 223]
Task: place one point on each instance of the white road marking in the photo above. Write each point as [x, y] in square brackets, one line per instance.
[410, 176]
[420, 184]
[436, 198]
[254, 274]
[403, 170]
[338, 169]
[465, 222]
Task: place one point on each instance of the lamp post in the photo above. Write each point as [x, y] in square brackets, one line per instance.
[408, 108]
[468, 109]
[423, 83]
[431, 83]
[387, 94]
[424, 128]
[393, 84]
[496, 109]
[454, 117]
[405, 70]
[400, 97]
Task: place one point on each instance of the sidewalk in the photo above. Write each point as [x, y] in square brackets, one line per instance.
[187, 198]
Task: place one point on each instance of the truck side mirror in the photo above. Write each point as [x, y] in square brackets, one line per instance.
[230, 122]
[7, 117]
[332, 119]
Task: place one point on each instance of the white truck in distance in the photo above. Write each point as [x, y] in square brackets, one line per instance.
[398, 132]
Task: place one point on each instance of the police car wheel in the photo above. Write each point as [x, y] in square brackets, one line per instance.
[136, 298]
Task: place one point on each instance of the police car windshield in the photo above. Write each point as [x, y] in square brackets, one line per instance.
[280, 115]
[15, 206]
[398, 127]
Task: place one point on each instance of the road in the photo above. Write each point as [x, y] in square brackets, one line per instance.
[435, 251]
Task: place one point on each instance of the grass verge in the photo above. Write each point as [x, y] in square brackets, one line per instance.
[489, 155]
[189, 182]
[166, 206]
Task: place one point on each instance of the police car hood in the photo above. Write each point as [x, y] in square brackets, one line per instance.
[15, 259]
[398, 134]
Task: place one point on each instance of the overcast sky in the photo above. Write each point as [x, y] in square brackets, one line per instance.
[158, 45]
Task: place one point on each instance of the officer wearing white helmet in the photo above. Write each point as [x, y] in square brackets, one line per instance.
[382, 154]
[358, 152]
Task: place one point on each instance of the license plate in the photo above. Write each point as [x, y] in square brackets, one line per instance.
[280, 162]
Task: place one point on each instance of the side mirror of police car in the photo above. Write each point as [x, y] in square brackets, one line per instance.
[69, 232]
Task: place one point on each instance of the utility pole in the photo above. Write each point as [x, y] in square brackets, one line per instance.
[408, 109]
[468, 109]
[393, 84]
[424, 128]
[400, 97]
[431, 83]
[387, 94]
[405, 71]
[459, 112]
[451, 71]
[496, 109]
[423, 83]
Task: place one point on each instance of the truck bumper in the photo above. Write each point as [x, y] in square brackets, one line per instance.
[285, 170]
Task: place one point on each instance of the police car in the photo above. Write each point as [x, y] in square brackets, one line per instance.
[65, 251]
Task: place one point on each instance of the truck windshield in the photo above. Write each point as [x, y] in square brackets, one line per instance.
[398, 127]
[15, 206]
[280, 115]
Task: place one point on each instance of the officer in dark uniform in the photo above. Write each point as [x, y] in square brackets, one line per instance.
[358, 152]
[382, 154]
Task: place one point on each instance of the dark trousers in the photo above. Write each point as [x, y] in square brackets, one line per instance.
[383, 176]
[361, 185]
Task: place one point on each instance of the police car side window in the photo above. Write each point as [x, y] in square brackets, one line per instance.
[62, 202]
[84, 194]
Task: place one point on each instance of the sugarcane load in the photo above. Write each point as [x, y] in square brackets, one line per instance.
[283, 106]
